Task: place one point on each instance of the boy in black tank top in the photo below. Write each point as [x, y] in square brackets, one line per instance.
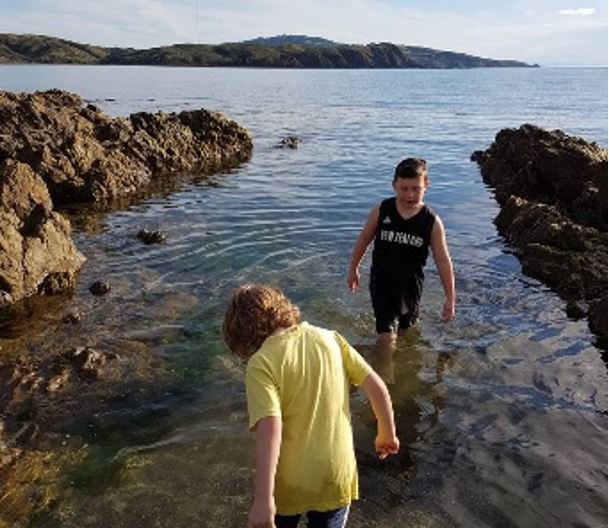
[403, 229]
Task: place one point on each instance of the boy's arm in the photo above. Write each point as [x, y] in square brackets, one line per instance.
[386, 442]
[445, 268]
[361, 245]
[268, 444]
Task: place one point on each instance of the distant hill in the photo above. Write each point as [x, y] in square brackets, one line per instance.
[18, 49]
[433, 58]
[285, 51]
[296, 40]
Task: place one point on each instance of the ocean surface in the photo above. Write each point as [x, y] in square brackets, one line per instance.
[502, 414]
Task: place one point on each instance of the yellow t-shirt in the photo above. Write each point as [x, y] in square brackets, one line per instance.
[303, 376]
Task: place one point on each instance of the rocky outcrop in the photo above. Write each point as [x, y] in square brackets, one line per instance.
[37, 254]
[553, 191]
[55, 149]
[84, 155]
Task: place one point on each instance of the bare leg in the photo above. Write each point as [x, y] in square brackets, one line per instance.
[386, 339]
[383, 356]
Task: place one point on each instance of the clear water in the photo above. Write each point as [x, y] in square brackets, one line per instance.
[502, 414]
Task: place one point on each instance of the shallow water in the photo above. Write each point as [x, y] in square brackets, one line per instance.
[502, 414]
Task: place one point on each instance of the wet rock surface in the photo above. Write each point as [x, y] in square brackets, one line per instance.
[552, 188]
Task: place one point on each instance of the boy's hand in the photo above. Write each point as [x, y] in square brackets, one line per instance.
[386, 445]
[353, 279]
[262, 514]
[448, 313]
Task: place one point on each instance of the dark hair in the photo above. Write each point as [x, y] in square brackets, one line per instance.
[254, 312]
[411, 168]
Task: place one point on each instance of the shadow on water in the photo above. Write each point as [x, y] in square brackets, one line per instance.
[30, 315]
[90, 217]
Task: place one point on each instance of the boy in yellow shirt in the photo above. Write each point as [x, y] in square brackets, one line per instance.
[297, 385]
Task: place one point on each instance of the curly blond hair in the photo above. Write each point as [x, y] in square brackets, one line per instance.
[255, 312]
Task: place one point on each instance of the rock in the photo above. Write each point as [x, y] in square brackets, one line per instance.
[549, 167]
[57, 283]
[72, 317]
[553, 194]
[151, 237]
[87, 362]
[577, 309]
[99, 287]
[36, 250]
[289, 142]
[597, 317]
[6, 299]
[56, 149]
[84, 155]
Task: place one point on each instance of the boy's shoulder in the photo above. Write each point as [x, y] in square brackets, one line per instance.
[273, 351]
[274, 344]
[429, 211]
[313, 330]
[322, 337]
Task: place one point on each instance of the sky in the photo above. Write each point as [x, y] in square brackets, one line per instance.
[547, 32]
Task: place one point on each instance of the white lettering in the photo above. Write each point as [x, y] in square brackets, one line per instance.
[401, 238]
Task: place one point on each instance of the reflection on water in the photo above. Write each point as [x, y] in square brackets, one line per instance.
[502, 414]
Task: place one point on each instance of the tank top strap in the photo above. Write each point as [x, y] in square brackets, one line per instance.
[387, 209]
[429, 220]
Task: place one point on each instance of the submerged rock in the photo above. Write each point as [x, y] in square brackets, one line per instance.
[88, 362]
[72, 317]
[552, 188]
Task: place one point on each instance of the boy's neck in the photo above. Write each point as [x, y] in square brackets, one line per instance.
[282, 330]
[408, 211]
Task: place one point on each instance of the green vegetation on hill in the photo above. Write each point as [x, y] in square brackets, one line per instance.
[433, 58]
[19, 49]
[286, 51]
[298, 40]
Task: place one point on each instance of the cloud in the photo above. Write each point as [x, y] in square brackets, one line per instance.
[580, 11]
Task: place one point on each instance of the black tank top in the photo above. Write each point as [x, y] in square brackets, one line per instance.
[401, 247]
